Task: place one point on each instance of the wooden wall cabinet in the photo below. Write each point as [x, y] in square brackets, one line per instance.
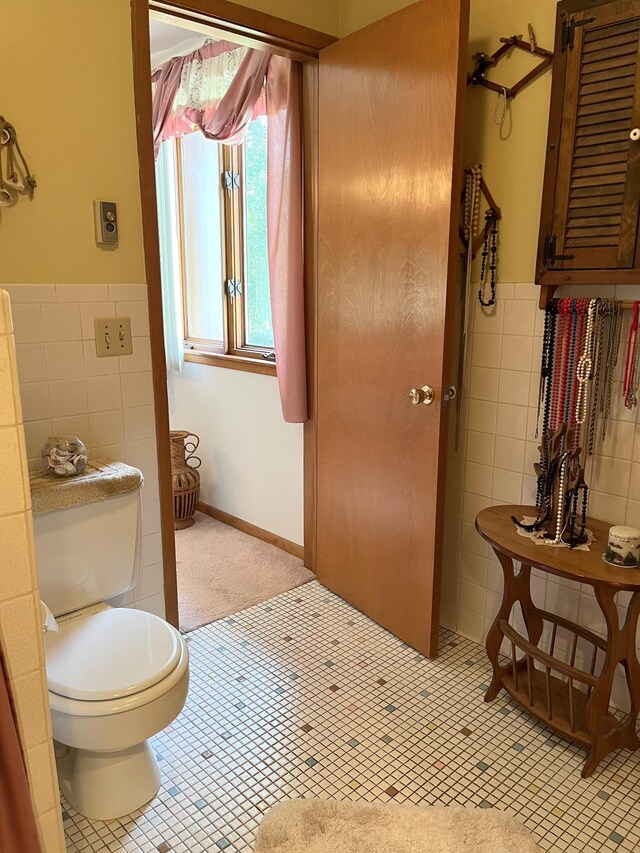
[589, 222]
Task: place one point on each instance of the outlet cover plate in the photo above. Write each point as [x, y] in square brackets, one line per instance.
[113, 336]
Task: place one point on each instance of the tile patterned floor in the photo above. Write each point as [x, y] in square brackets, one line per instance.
[302, 696]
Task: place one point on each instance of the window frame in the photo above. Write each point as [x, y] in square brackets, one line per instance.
[233, 351]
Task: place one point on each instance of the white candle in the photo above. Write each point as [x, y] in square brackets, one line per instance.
[624, 546]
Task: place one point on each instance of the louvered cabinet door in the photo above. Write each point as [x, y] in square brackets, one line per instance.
[591, 199]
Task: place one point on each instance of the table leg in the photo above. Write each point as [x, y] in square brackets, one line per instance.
[621, 648]
[517, 587]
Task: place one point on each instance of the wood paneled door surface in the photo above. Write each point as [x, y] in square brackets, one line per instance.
[390, 109]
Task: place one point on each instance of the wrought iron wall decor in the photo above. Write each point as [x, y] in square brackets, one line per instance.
[15, 175]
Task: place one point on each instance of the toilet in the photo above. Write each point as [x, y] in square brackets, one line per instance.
[116, 676]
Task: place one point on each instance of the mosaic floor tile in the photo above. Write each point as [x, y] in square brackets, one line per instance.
[250, 736]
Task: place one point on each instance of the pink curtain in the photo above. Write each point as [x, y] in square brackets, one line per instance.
[284, 234]
[18, 830]
[185, 95]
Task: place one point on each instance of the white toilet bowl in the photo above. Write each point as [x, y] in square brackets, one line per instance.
[116, 677]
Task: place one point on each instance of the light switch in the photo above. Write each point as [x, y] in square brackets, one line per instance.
[113, 336]
[105, 215]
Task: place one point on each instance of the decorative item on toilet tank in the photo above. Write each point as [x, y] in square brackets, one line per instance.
[64, 455]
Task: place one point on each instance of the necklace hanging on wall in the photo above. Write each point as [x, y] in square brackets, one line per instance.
[580, 347]
[472, 196]
[631, 384]
[475, 189]
[490, 237]
[501, 108]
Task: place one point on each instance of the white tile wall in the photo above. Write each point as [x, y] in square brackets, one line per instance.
[494, 462]
[108, 402]
[20, 619]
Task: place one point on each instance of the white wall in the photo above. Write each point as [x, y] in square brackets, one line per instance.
[252, 461]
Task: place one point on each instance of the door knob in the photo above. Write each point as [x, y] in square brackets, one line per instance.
[421, 395]
[634, 136]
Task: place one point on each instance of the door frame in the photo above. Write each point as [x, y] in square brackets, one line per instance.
[296, 42]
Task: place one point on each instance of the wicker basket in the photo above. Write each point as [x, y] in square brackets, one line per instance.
[186, 480]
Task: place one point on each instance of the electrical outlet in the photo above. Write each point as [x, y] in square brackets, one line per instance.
[113, 336]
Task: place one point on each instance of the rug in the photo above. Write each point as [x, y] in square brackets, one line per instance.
[221, 571]
[325, 826]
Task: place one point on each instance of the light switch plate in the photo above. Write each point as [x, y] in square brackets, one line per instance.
[113, 336]
[105, 217]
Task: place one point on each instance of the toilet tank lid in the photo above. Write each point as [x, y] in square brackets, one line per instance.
[99, 480]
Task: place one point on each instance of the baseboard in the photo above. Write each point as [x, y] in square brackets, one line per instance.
[252, 530]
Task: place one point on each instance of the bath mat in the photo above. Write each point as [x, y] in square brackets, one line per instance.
[325, 826]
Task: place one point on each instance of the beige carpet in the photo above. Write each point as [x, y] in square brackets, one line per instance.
[324, 826]
[221, 570]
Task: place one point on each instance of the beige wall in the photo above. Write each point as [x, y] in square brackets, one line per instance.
[72, 106]
[80, 141]
[512, 156]
[355, 14]
[20, 621]
[323, 15]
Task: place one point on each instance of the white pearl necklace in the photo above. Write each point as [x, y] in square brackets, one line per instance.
[562, 487]
[585, 365]
[472, 202]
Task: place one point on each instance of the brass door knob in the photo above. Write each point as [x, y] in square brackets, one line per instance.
[424, 395]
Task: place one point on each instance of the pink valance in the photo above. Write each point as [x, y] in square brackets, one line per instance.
[218, 88]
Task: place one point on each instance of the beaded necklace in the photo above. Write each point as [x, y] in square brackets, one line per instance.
[632, 365]
[607, 344]
[546, 370]
[490, 228]
[558, 364]
[585, 366]
[573, 333]
[583, 305]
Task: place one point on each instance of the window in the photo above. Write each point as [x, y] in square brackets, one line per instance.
[220, 193]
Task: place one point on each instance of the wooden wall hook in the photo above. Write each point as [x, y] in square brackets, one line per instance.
[486, 61]
[491, 205]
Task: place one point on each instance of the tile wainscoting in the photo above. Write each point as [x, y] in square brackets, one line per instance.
[495, 456]
[20, 619]
[108, 402]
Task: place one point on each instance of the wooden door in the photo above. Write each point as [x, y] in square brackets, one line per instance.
[591, 200]
[390, 108]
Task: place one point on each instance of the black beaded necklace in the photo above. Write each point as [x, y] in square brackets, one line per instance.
[578, 538]
[546, 370]
[490, 230]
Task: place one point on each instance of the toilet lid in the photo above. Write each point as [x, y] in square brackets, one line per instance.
[110, 653]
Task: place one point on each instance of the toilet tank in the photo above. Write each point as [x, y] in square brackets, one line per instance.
[89, 552]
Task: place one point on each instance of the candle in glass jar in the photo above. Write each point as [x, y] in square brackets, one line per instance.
[623, 548]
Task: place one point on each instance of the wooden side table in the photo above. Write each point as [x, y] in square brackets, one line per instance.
[573, 701]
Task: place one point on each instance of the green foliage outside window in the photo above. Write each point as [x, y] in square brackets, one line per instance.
[259, 329]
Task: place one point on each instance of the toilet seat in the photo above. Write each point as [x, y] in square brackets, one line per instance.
[110, 654]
